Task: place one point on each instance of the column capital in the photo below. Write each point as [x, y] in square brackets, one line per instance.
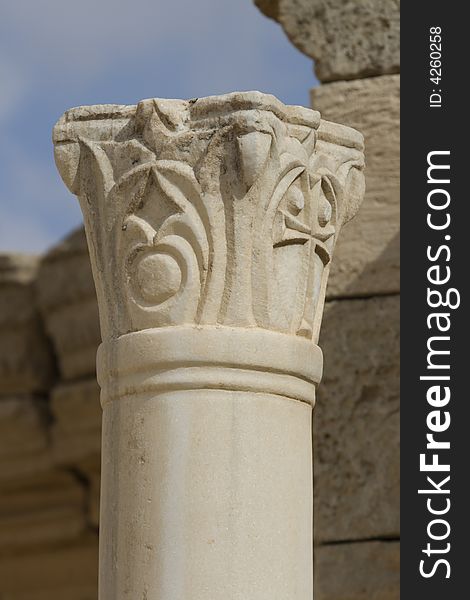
[219, 211]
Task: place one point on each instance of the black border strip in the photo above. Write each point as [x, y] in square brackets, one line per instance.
[426, 127]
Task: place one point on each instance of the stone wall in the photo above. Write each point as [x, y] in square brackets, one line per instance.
[355, 48]
[357, 417]
[48, 523]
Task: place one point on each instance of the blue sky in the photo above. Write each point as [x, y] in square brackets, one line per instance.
[55, 54]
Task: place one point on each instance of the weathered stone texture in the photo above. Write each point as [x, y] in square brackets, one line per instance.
[356, 422]
[76, 431]
[76, 436]
[25, 360]
[41, 510]
[24, 448]
[358, 571]
[347, 40]
[269, 7]
[91, 469]
[367, 256]
[68, 302]
[68, 571]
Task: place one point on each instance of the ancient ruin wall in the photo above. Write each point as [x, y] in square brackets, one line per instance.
[355, 48]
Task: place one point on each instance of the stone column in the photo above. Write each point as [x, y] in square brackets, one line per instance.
[211, 225]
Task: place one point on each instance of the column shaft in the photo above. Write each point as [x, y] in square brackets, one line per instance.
[218, 505]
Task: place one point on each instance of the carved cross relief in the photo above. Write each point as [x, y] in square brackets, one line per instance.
[223, 210]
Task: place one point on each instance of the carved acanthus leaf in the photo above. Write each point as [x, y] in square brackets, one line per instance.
[215, 211]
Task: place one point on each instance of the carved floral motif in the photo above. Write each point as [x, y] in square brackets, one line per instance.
[223, 210]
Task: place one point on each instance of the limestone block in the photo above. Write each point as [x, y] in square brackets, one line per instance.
[41, 510]
[24, 448]
[68, 302]
[76, 431]
[356, 423]
[25, 358]
[81, 592]
[347, 40]
[367, 256]
[68, 571]
[76, 435]
[269, 7]
[358, 571]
